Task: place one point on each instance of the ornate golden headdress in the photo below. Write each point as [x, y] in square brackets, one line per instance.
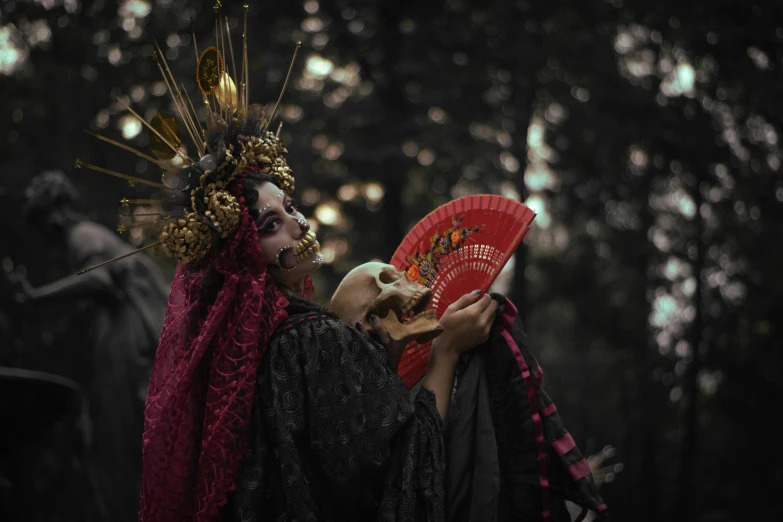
[193, 208]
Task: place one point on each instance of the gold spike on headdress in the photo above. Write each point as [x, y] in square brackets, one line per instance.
[193, 207]
[155, 131]
[285, 84]
[176, 96]
[233, 65]
[132, 180]
[142, 249]
[126, 147]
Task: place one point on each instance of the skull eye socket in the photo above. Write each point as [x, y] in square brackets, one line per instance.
[388, 277]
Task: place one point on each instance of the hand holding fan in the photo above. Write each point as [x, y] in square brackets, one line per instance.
[457, 248]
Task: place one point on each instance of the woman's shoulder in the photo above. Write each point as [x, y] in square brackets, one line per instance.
[301, 311]
[312, 328]
[329, 350]
[306, 317]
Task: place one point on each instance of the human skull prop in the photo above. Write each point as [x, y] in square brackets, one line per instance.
[399, 303]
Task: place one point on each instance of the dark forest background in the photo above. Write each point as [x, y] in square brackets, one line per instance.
[645, 134]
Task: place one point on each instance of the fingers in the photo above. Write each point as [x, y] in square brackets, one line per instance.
[379, 330]
[465, 301]
[483, 303]
[477, 308]
[489, 309]
[483, 314]
[488, 316]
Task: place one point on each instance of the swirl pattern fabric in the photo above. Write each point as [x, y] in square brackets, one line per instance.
[336, 434]
[203, 382]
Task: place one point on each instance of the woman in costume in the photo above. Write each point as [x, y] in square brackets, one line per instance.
[262, 405]
[338, 434]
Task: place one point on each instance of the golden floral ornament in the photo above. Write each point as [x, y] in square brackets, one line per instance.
[267, 154]
[224, 211]
[187, 238]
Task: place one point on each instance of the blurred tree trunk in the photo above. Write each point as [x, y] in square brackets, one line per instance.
[518, 293]
[649, 410]
[686, 487]
[524, 56]
[392, 95]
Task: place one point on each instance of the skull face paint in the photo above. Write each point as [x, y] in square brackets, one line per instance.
[399, 303]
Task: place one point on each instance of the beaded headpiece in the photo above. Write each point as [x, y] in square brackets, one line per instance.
[193, 208]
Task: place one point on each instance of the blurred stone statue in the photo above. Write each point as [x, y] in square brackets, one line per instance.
[125, 302]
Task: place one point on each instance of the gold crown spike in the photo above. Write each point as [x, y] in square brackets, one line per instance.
[219, 72]
[184, 113]
[197, 57]
[161, 215]
[150, 127]
[153, 245]
[285, 85]
[245, 68]
[224, 110]
[126, 147]
[233, 65]
[193, 35]
[176, 95]
[144, 224]
[79, 164]
[125, 201]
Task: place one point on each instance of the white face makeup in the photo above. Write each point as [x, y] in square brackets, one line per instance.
[290, 247]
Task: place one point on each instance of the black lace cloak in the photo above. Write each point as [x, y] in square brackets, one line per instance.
[336, 435]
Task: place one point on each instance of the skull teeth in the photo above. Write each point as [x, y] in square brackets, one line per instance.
[306, 242]
[311, 250]
[411, 310]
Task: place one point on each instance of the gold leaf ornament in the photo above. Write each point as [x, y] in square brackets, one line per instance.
[209, 70]
[226, 93]
[187, 238]
[168, 127]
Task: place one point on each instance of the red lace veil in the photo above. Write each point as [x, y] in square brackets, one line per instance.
[203, 381]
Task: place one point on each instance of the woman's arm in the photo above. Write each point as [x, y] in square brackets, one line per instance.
[466, 324]
[439, 378]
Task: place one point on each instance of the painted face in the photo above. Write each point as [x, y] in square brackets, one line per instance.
[291, 249]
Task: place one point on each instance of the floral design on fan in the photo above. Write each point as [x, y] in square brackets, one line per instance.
[424, 266]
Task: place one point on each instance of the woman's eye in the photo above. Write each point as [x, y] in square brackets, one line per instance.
[271, 225]
[291, 208]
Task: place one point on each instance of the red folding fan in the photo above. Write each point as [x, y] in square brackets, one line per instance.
[457, 248]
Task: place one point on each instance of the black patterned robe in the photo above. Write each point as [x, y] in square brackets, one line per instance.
[335, 434]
